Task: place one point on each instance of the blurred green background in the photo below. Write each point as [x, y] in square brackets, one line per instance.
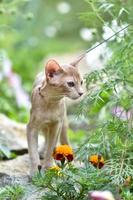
[30, 30]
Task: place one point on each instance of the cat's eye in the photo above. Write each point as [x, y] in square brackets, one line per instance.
[81, 82]
[71, 84]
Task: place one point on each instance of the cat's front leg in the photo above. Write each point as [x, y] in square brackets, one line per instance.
[32, 138]
[63, 135]
[52, 137]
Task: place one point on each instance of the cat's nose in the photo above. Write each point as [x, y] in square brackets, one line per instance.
[80, 93]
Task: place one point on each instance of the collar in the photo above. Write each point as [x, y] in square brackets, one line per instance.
[40, 92]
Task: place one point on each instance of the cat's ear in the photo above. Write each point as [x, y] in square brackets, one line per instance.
[76, 61]
[52, 68]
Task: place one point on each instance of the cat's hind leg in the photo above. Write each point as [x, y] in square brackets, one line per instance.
[43, 149]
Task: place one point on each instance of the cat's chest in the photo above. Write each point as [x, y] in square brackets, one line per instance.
[49, 114]
[52, 115]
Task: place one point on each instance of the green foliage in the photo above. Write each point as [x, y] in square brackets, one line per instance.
[72, 182]
[8, 104]
[14, 192]
[6, 153]
[109, 100]
[76, 136]
[127, 195]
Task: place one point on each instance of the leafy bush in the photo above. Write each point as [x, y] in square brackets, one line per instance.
[14, 192]
[72, 182]
[77, 181]
[109, 99]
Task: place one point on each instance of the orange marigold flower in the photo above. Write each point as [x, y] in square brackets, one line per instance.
[63, 152]
[97, 161]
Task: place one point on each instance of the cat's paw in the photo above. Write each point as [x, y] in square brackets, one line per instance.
[42, 153]
[41, 156]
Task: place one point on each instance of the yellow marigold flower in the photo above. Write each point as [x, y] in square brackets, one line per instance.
[63, 152]
[56, 168]
[128, 181]
[97, 161]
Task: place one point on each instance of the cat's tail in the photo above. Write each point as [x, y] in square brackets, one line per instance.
[78, 59]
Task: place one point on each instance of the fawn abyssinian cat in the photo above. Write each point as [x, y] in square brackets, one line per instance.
[48, 112]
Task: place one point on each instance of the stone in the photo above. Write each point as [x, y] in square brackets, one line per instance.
[12, 134]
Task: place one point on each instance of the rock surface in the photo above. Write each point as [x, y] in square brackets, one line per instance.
[13, 137]
[12, 134]
[15, 167]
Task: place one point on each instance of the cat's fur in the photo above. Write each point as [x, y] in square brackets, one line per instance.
[48, 112]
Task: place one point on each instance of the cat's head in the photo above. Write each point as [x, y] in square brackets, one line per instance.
[64, 80]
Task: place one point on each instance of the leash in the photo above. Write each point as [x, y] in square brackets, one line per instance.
[81, 56]
[88, 50]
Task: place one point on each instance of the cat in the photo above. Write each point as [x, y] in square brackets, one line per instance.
[48, 111]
